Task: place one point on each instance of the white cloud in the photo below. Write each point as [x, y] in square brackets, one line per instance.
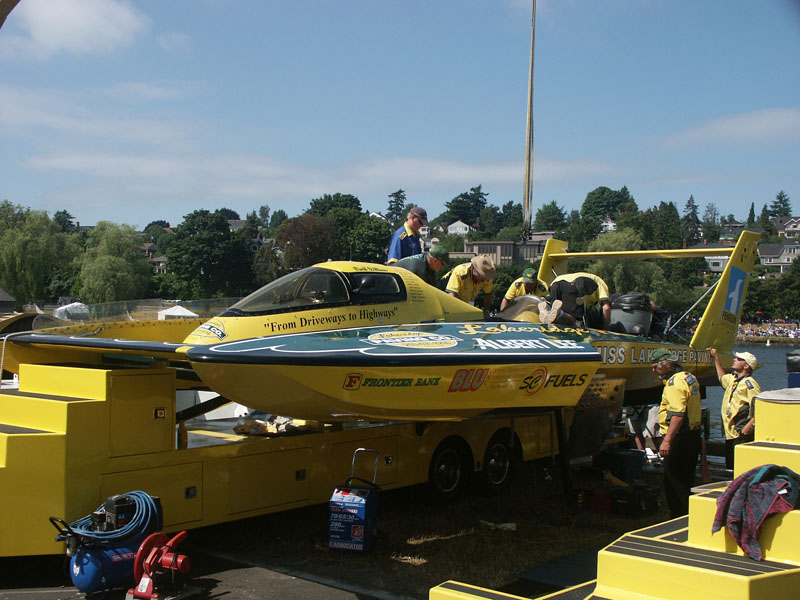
[769, 125]
[81, 27]
[31, 113]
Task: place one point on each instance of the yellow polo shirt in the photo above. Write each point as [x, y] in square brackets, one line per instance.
[681, 398]
[463, 286]
[737, 403]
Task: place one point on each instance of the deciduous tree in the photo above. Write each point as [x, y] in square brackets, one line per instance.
[33, 247]
[208, 259]
[306, 240]
[320, 207]
[113, 266]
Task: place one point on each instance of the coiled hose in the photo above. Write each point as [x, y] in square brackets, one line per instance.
[146, 518]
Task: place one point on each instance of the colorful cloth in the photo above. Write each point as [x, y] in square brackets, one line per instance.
[750, 499]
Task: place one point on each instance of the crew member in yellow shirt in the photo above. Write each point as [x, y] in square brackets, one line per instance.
[467, 280]
[737, 402]
[679, 423]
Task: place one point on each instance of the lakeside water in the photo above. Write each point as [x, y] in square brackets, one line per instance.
[771, 376]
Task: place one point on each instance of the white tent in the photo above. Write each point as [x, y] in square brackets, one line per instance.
[176, 312]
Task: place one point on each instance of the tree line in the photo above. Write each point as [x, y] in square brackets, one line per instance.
[46, 258]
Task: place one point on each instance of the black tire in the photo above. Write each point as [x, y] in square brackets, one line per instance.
[449, 471]
[499, 462]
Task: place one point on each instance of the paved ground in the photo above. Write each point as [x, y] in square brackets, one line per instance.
[45, 578]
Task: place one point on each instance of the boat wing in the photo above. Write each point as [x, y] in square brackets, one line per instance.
[105, 345]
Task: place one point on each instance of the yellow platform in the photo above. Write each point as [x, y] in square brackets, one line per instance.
[681, 559]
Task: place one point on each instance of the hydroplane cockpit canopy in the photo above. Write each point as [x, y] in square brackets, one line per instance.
[319, 287]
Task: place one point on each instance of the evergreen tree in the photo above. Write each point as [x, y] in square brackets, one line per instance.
[263, 216]
[690, 223]
[512, 214]
[63, 219]
[711, 227]
[765, 223]
[666, 226]
[467, 206]
[751, 216]
[780, 207]
[397, 202]
[275, 221]
[549, 217]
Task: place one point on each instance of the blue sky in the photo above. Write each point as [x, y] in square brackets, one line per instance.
[132, 111]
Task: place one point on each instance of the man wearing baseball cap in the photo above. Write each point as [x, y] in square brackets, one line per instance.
[737, 402]
[405, 241]
[467, 280]
[426, 264]
[679, 423]
[527, 284]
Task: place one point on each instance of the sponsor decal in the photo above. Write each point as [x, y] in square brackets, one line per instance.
[566, 380]
[735, 290]
[412, 339]
[468, 380]
[635, 354]
[495, 328]
[539, 344]
[354, 381]
[535, 381]
[213, 328]
[357, 532]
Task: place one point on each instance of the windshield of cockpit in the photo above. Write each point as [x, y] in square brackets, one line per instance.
[317, 287]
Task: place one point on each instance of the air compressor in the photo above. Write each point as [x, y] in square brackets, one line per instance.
[103, 545]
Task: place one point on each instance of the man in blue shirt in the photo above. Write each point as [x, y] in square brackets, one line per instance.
[405, 241]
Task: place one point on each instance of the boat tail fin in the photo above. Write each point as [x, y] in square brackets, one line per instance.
[552, 266]
[720, 321]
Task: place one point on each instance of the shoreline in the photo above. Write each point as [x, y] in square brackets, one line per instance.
[762, 339]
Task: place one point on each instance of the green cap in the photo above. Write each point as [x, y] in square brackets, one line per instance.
[662, 354]
[529, 276]
[440, 252]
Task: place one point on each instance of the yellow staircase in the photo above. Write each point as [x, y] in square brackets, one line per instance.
[681, 559]
[43, 471]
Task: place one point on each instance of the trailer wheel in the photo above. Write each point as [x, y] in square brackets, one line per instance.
[498, 463]
[448, 472]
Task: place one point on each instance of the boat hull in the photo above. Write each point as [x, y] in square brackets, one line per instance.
[415, 372]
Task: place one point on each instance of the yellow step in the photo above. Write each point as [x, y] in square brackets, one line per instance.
[32, 483]
[37, 411]
[636, 568]
[779, 533]
[755, 454]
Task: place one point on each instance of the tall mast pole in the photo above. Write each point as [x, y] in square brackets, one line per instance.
[528, 195]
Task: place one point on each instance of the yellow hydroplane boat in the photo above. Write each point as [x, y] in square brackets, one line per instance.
[344, 341]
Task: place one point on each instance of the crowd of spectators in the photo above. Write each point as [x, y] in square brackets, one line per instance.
[788, 328]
